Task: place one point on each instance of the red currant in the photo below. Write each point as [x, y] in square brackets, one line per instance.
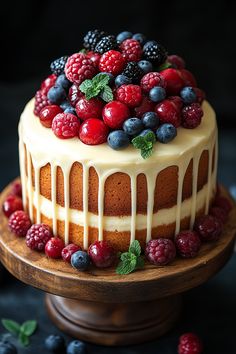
[188, 78]
[11, 204]
[67, 251]
[74, 94]
[115, 113]
[16, 189]
[89, 108]
[54, 247]
[102, 254]
[93, 131]
[208, 227]
[47, 114]
[176, 61]
[48, 83]
[95, 57]
[174, 81]
[145, 106]
[168, 112]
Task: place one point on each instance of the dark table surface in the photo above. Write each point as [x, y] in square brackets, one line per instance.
[209, 310]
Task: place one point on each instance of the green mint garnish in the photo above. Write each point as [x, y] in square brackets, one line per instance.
[164, 66]
[97, 86]
[82, 51]
[131, 260]
[145, 144]
[22, 332]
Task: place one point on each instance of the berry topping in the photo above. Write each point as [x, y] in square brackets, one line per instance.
[123, 36]
[11, 204]
[80, 260]
[177, 101]
[188, 78]
[146, 66]
[112, 62]
[56, 94]
[89, 108]
[19, 223]
[131, 50]
[160, 251]
[145, 106]
[54, 247]
[190, 343]
[55, 343]
[133, 126]
[79, 68]
[192, 116]
[48, 83]
[150, 120]
[219, 213]
[67, 251]
[168, 112]
[176, 61]
[118, 140]
[93, 131]
[151, 80]
[105, 44]
[41, 101]
[208, 227]
[140, 38]
[16, 189]
[47, 114]
[92, 38]
[174, 81]
[37, 236]
[122, 80]
[131, 95]
[188, 95]
[63, 82]
[157, 94]
[58, 65]
[102, 254]
[154, 52]
[114, 114]
[200, 95]
[7, 348]
[166, 132]
[187, 243]
[65, 125]
[133, 71]
[94, 57]
[76, 347]
[223, 203]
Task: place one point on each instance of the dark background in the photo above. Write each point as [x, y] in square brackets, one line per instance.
[33, 33]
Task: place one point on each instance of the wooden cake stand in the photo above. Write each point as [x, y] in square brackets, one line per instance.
[104, 308]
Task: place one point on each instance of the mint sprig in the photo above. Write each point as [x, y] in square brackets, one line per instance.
[145, 144]
[23, 332]
[131, 260]
[97, 86]
[164, 66]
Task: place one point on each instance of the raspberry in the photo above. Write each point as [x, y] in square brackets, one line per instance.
[154, 52]
[54, 247]
[57, 66]
[192, 116]
[187, 243]
[219, 213]
[190, 343]
[200, 95]
[169, 112]
[223, 203]
[11, 204]
[67, 251]
[105, 44]
[176, 61]
[115, 113]
[131, 50]
[48, 83]
[65, 125]
[174, 81]
[92, 38]
[47, 114]
[188, 78]
[74, 95]
[79, 68]
[208, 227]
[160, 251]
[89, 108]
[133, 72]
[145, 106]
[130, 95]
[102, 254]
[95, 57]
[16, 189]
[93, 131]
[19, 223]
[41, 101]
[112, 62]
[151, 80]
[37, 236]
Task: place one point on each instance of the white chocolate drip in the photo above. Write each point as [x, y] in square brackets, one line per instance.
[85, 204]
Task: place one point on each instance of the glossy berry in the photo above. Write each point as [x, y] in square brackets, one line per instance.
[177, 101]
[16, 189]
[105, 44]
[219, 213]
[150, 120]
[123, 36]
[200, 95]
[65, 125]
[223, 202]
[94, 57]
[133, 126]
[93, 131]
[40, 101]
[192, 116]
[187, 243]
[133, 71]
[80, 260]
[188, 95]
[154, 52]
[140, 38]
[157, 94]
[7, 348]
[11, 204]
[168, 112]
[54, 247]
[56, 94]
[70, 110]
[74, 95]
[102, 254]
[208, 227]
[188, 78]
[176, 61]
[79, 68]
[145, 132]
[76, 347]
[67, 251]
[115, 113]
[174, 81]
[131, 50]
[37, 236]
[160, 251]
[58, 65]
[118, 140]
[63, 82]
[48, 83]
[151, 80]
[122, 80]
[64, 105]
[146, 66]
[92, 38]
[145, 106]
[112, 62]
[89, 108]
[55, 343]
[47, 114]
[166, 132]
[131, 95]
[190, 343]
[19, 223]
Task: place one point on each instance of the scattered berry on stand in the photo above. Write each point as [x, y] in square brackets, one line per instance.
[187, 243]
[7, 348]
[19, 223]
[219, 213]
[55, 343]
[37, 236]
[58, 65]
[118, 140]
[47, 114]
[192, 116]
[208, 227]
[54, 247]
[67, 251]
[190, 343]
[12, 204]
[16, 189]
[80, 260]
[102, 254]
[223, 203]
[165, 133]
[93, 131]
[76, 347]
[65, 125]
[160, 251]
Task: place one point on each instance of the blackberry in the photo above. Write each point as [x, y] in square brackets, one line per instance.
[105, 44]
[133, 71]
[58, 65]
[154, 52]
[92, 38]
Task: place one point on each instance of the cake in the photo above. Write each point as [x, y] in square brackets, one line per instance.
[87, 192]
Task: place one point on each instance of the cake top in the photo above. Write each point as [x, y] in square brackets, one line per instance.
[119, 90]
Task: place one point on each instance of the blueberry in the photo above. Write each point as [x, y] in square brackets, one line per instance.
[146, 66]
[145, 132]
[139, 37]
[56, 94]
[63, 82]
[157, 94]
[123, 36]
[133, 126]
[118, 140]
[55, 343]
[71, 110]
[122, 80]
[7, 348]
[76, 347]
[150, 120]
[80, 260]
[165, 133]
[64, 105]
[188, 95]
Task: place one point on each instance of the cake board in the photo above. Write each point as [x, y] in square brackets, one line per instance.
[102, 307]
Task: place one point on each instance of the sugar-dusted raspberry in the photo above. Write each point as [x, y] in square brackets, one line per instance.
[102, 254]
[11, 204]
[79, 68]
[16, 189]
[208, 227]
[112, 62]
[37, 236]
[131, 50]
[54, 247]
[48, 83]
[192, 116]
[89, 108]
[219, 213]
[190, 343]
[160, 251]
[188, 78]
[130, 95]
[223, 202]
[188, 243]
[174, 81]
[151, 80]
[19, 223]
[145, 106]
[67, 251]
[169, 112]
[65, 125]
[176, 61]
[40, 101]
[74, 94]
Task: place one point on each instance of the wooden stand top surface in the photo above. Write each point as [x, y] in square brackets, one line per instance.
[59, 278]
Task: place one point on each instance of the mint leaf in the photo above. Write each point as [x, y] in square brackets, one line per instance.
[107, 94]
[11, 326]
[135, 248]
[98, 85]
[139, 142]
[82, 51]
[146, 153]
[28, 327]
[86, 84]
[164, 66]
[150, 137]
[130, 260]
[24, 339]
[100, 80]
[125, 267]
[145, 144]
